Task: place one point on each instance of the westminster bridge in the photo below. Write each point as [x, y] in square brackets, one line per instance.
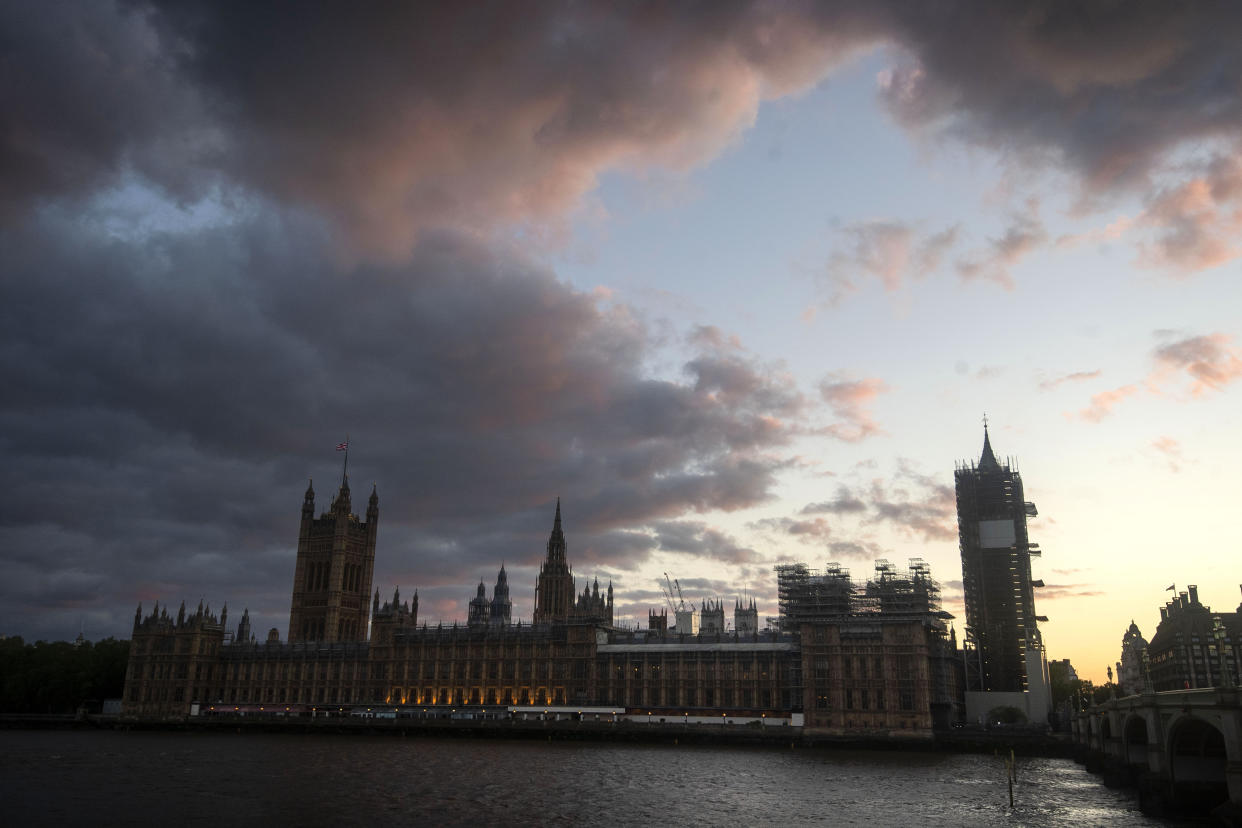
[1182, 748]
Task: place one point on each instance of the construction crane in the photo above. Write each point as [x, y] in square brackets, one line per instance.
[670, 587]
[667, 588]
[680, 600]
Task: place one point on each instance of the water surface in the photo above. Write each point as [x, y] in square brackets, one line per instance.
[224, 780]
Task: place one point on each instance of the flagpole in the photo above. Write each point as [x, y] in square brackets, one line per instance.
[345, 470]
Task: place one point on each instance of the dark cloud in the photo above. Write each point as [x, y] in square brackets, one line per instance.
[397, 117]
[915, 503]
[702, 541]
[166, 399]
[1107, 89]
[845, 502]
[854, 550]
[168, 387]
[88, 90]
[814, 531]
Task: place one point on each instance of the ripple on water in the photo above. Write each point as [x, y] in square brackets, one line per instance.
[108, 778]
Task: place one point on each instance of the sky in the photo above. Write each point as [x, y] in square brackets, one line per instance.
[736, 281]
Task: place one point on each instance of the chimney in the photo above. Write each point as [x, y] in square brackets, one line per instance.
[1164, 613]
[1194, 593]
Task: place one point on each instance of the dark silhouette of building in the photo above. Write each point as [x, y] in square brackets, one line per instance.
[554, 589]
[996, 572]
[1004, 650]
[497, 612]
[1194, 647]
[480, 612]
[1130, 678]
[883, 667]
[502, 605]
[332, 577]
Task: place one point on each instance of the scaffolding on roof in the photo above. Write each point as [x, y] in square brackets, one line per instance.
[806, 594]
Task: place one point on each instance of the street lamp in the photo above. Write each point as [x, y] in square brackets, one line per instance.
[1225, 678]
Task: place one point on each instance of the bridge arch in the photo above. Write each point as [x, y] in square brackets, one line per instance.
[1134, 737]
[1197, 762]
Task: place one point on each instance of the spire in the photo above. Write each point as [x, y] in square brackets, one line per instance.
[556, 543]
[987, 462]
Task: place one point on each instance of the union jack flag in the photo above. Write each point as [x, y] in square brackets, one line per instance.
[342, 446]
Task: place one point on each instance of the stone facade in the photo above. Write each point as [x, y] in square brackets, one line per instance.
[332, 577]
[879, 673]
[1194, 647]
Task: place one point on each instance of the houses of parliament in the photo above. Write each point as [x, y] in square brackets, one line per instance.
[844, 658]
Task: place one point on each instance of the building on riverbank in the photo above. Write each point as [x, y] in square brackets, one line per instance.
[1006, 665]
[884, 665]
[1194, 647]
[877, 657]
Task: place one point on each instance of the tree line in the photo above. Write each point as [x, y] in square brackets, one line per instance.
[60, 676]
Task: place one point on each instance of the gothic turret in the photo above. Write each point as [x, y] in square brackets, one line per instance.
[480, 608]
[332, 577]
[502, 606]
[243, 629]
[554, 588]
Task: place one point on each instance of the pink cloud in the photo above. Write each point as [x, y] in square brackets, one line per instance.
[850, 400]
[1207, 359]
[1171, 449]
[1102, 404]
[1077, 376]
[890, 252]
[1197, 222]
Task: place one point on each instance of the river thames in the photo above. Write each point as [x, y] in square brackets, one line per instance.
[222, 780]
